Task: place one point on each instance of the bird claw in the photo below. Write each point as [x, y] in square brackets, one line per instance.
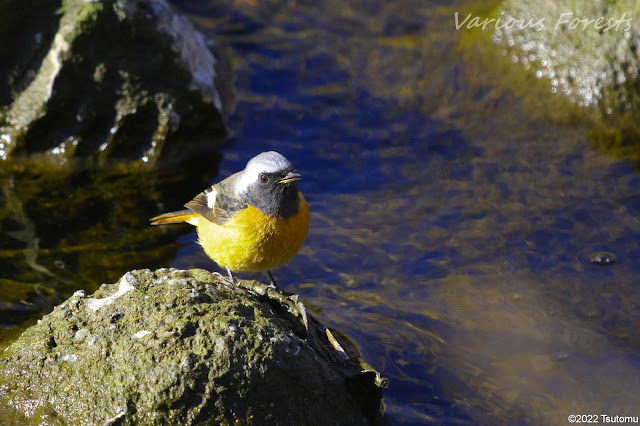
[228, 279]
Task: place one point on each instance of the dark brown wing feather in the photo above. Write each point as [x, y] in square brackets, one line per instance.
[199, 205]
[225, 207]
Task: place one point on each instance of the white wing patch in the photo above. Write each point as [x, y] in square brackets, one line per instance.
[211, 198]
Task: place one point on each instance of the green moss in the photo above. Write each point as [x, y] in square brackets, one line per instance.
[181, 347]
[80, 16]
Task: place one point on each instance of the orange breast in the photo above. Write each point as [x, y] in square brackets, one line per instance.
[252, 240]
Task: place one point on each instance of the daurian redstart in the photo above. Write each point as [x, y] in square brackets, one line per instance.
[254, 220]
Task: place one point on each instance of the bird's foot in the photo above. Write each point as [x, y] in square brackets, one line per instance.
[228, 279]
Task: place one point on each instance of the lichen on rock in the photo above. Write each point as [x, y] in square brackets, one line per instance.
[184, 347]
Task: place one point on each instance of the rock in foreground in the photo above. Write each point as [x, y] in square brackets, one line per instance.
[184, 347]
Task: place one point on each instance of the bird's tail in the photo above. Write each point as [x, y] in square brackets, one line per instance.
[172, 217]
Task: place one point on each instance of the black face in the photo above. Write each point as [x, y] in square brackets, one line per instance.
[274, 198]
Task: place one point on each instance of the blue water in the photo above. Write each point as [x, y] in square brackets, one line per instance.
[451, 228]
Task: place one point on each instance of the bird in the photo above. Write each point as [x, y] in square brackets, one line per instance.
[254, 220]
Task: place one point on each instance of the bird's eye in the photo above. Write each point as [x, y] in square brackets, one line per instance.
[264, 178]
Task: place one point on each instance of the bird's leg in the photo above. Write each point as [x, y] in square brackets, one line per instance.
[233, 280]
[273, 280]
[229, 280]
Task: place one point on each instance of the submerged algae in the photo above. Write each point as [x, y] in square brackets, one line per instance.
[184, 347]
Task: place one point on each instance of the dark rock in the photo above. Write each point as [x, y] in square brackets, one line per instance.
[106, 80]
[186, 348]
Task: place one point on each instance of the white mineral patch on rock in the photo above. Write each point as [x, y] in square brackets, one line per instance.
[127, 283]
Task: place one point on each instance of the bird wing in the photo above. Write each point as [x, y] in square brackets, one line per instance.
[218, 203]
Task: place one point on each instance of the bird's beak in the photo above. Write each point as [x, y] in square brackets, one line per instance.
[290, 177]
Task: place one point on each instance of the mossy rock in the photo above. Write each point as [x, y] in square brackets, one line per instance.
[184, 347]
[107, 81]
